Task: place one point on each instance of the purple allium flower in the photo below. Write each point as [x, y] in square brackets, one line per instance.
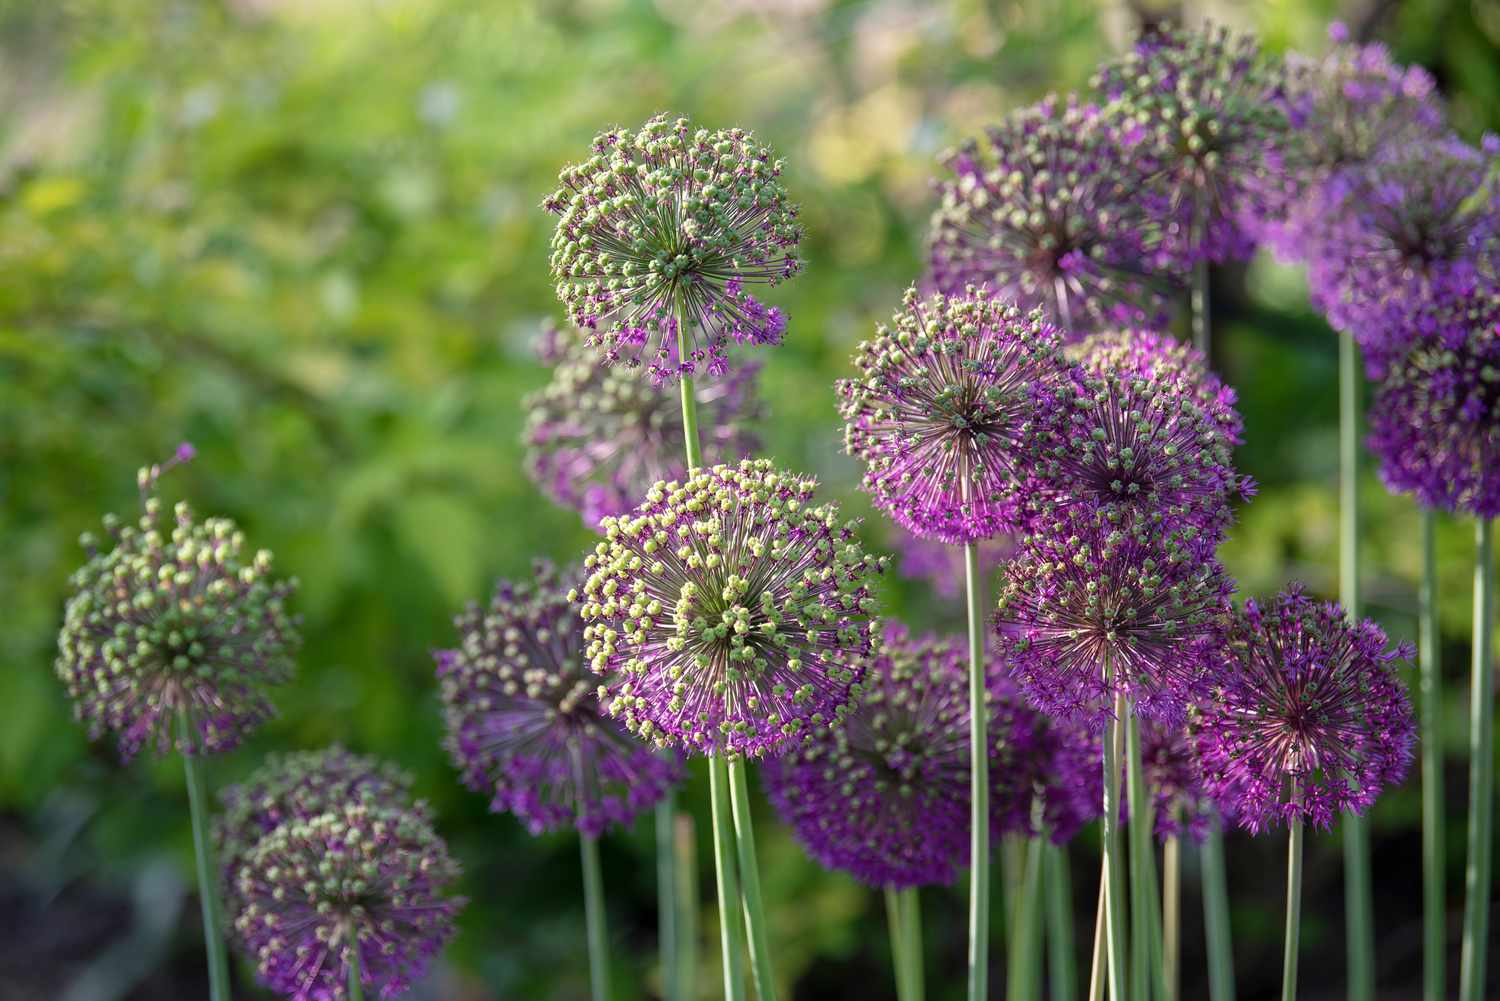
[1312, 718]
[1045, 213]
[360, 876]
[524, 724]
[670, 218]
[1174, 774]
[597, 437]
[1435, 420]
[942, 565]
[729, 612]
[1209, 110]
[945, 404]
[291, 787]
[175, 625]
[1089, 608]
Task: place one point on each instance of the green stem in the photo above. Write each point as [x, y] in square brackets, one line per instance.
[1293, 907]
[1012, 873]
[893, 918]
[208, 880]
[1098, 966]
[731, 922]
[686, 842]
[1434, 910]
[1216, 915]
[1198, 304]
[755, 914]
[689, 400]
[1358, 908]
[1146, 957]
[1061, 961]
[666, 894]
[1114, 868]
[1171, 908]
[911, 933]
[979, 787]
[593, 912]
[1023, 980]
[356, 984]
[1481, 775]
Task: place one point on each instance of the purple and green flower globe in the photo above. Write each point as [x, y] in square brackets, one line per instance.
[598, 436]
[946, 402]
[730, 613]
[173, 635]
[360, 879]
[524, 723]
[1311, 719]
[669, 224]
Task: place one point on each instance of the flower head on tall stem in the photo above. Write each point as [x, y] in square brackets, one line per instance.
[946, 401]
[667, 221]
[1209, 110]
[175, 623]
[359, 877]
[1174, 774]
[729, 612]
[598, 436]
[1045, 213]
[1089, 608]
[1311, 720]
[524, 723]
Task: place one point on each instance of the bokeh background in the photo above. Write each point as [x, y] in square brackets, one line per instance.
[305, 235]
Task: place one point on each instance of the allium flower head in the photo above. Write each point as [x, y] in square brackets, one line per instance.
[730, 613]
[1046, 213]
[1088, 608]
[1174, 774]
[1208, 109]
[945, 404]
[1311, 721]
[359, 876]
[1152, 355]
[1435, 420]
[175, 624]
[668, 218]
[524, 724]
[598, 436]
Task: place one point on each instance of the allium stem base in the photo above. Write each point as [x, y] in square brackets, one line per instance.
[208, 880]
[1481, 775]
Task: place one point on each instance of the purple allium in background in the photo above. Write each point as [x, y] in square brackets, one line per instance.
[1045, 212]
[598, 436]
[729, 612]
[1310, 720]
[175, 622]
[1209, 110]
[1174, 774]
[942, 410]
[942, 565]
[664, 218]
[1085, 597]
[524, 724]
[359, 876]
[1435, 419]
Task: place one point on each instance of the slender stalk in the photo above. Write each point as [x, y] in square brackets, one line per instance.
[1434, 910]
[755, 914]
[731, 922]
[356, 985]
[1198, 304]
[689, 400]
[979, 787]
[593, 912]
[685, 840]
[1171, 909]
[1012, 875]
[1216, 915]
[911, 934]
[208, 881]
[1145, 966]
[893, 920]
[1358, 908]
[1023, 980]
[1099, 964]
[666, 894]
[1293, 906]
[1481, 774]
[1115, 943]
[1062, 971]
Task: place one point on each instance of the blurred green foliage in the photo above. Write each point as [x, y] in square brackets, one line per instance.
[306, 237]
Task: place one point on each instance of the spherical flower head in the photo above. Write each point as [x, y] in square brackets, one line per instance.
[291, 787]
[1174, 775]
[1140, 441]
[172, 636]
[365, 877]
[1089, 608]
[1208, 109]
[946, 400]
[669, 222]
[598, 436]
[730, 613]
[1312, 719]
[524, 723]
[1435, 419]
[942, 565]
[1045, 212]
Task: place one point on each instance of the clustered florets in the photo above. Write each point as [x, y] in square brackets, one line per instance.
[598, 436]
[176, 631]
[666, 225]
[524, 725]
[729, 612]
[1174, 774]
